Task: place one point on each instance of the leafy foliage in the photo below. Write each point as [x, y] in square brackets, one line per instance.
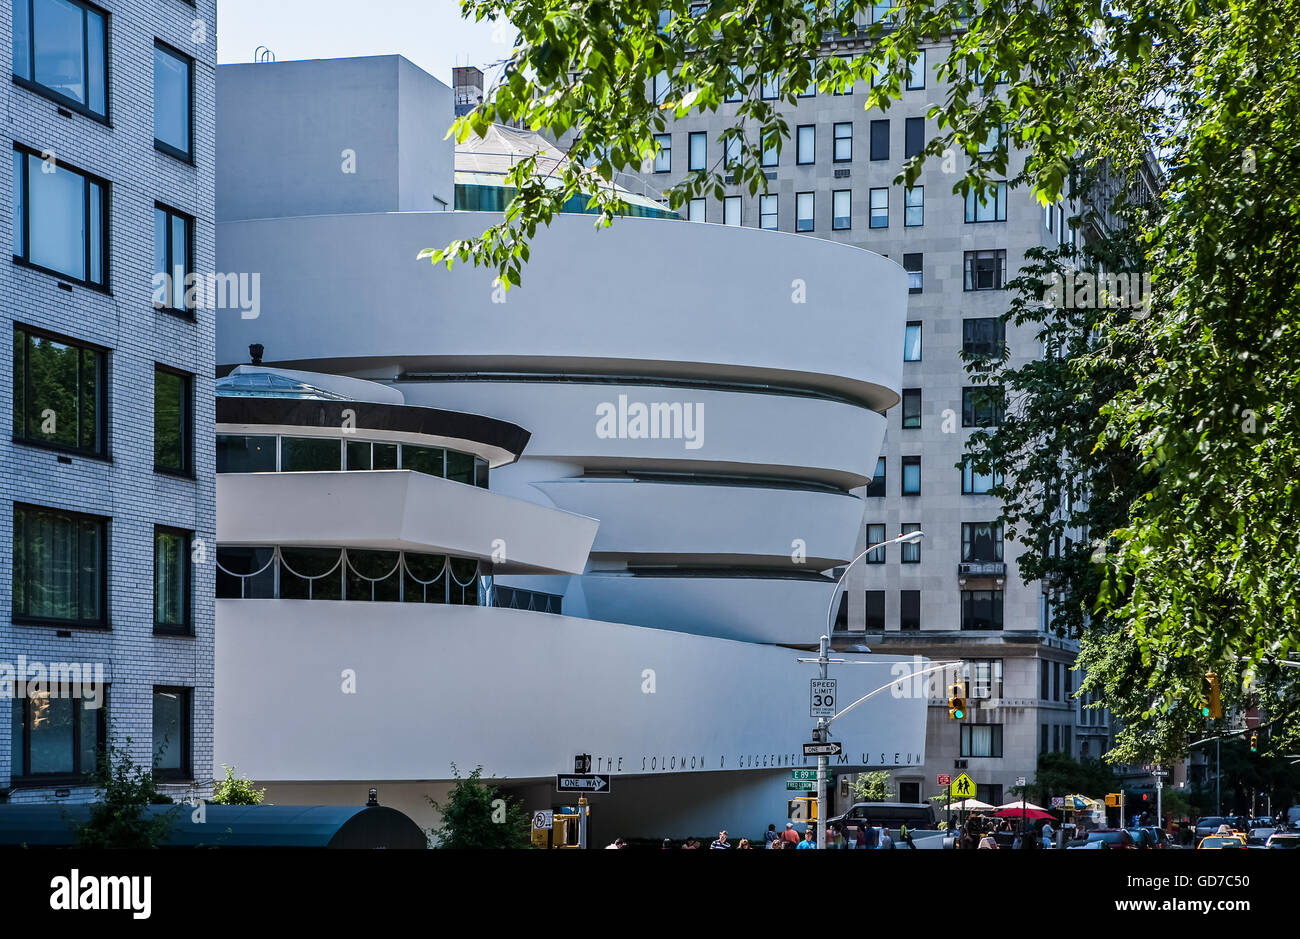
[118, 819]
[477, 815]
[873, 787]
[236, 790]
[1059, 774]
[1179, 425]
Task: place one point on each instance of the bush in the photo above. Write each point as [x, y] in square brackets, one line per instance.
[476, 815]
[236, 790]
[118, 820]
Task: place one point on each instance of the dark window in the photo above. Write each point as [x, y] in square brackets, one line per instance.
[173, 96]
[981, 406]
[428, 460]
[875, 535]
[56, 737]
[1056, 681]
[913, 136]
[1044, 680]
[238, 453]
[310, 455]
[61, 50]
[245, 573]
[876, 610]
[880, 140]
[985, 270]
[981, 609]
[909, 610]
[59, 393]
[843, 136]
[981, 740]
[1042, 738]
[975, 482]
[911, 408]
[171, 581]
[806, 144]
[696, 150]
[911, 475]
[984, 337]
[912, 342]
[911, 549]
[909, 792]
[173, 260]
[60, 566]
[173, 422]
[171, 732]
[60, 219]
[987, 208]
[460, 467]
[981, 541]
[912, 263]
[877, 485]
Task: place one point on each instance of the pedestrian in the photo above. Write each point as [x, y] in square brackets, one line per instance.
[1047, 834]
[988, 842]
[744, 845]
[777, 843]
[838, 840]
[905, 835]
[721, 843]
[667, 845]
[860, 837]
[790, 835]
[886, 840]
[873, 834]
[769, 836]
[808, 841]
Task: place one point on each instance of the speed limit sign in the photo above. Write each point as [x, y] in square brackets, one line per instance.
[821, 697]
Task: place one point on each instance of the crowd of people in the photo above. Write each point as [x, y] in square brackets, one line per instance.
[862, 837]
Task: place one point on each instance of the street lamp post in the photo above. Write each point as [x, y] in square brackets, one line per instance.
[823, 660]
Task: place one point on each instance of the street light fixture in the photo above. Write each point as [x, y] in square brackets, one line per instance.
[823, 724]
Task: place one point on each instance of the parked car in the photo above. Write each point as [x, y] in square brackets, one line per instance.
[1159, 837]
[1106, 839]
[1208, 826]
[1259, 835]
[1144, 838]
[918, 816]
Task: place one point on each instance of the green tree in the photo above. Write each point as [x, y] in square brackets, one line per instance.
[873, 787]
[1199, 570]
[118, 819]
[236, 790]
[477, 815]
[1059, 774]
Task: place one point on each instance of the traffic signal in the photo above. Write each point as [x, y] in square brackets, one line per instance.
[956, 701]
[1254, 743]
[1212, 706]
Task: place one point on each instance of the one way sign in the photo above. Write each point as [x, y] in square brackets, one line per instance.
[581, 782]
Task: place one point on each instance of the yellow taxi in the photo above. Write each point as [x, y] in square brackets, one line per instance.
[1219, 841]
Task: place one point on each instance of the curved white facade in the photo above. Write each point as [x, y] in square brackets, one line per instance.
[685, 412]
[764, 359]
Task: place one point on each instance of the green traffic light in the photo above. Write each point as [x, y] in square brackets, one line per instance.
[958, 713]
[1205, 710]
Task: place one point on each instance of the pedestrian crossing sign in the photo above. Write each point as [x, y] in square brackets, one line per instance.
[962, 787]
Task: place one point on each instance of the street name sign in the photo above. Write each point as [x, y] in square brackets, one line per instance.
[804, 774]
[581, 782]
[823, 749]
[801, 785]
[963, 787]
[821, 697]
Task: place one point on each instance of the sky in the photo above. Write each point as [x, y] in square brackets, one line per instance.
[430, 33]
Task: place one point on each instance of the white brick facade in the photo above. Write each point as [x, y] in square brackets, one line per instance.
[125, 488]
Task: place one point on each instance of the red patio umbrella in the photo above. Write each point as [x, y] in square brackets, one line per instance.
[1034, 814]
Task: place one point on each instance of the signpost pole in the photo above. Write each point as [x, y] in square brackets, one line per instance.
[582, 822]
[821, 759]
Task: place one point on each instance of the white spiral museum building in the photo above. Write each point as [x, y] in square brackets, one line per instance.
[588, 515]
